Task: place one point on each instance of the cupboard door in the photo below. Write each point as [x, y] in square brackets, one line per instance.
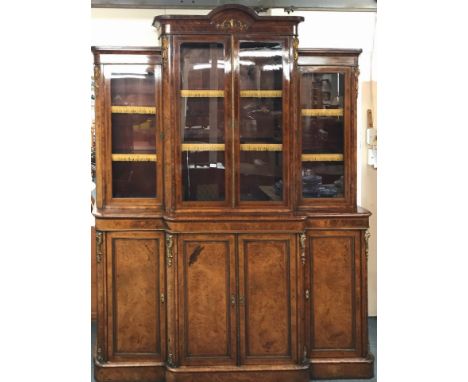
[132, 116]
[267, 298]
[203, 90]
[134, 282]
[327, 158]
[207, 313]
[262, 136]
[335, 309]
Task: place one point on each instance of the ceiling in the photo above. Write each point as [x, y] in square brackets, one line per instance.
[259, 5]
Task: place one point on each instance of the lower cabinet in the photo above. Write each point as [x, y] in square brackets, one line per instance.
[135, 282]
[237, 301]
[196, 307]
[336, 309]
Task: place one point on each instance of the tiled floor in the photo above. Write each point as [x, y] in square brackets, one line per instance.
[372, 342]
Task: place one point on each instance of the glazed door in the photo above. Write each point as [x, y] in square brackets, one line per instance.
[326, 177]
[133, 173]
[135, 282]
[207, 304]
[203, 139]
[267, 298]
[262, 99]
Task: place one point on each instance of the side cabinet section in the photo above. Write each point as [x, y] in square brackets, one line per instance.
[337, 322]
[206, 295]
[267, 298]
[135, 283]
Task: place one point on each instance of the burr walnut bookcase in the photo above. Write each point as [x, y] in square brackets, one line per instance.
[229, 246]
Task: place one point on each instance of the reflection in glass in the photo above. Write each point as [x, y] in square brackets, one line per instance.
[133, 131]
[322, 110]
[130, 87]
[261, 121]
[134, 179]
[202, 121]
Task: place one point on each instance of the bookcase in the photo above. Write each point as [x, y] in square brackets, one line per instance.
[229, 245]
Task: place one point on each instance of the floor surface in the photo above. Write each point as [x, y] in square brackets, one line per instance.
[372, 342]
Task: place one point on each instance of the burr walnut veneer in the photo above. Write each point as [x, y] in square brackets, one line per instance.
[229, 246]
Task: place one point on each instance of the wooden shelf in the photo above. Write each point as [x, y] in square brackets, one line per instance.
[261, 147]
[261, 93]
[322, 157]
[322, 112]
[243, 93]
[134, 157]
[221, 147]
[202, 93]
[202, 146]
[133, 109]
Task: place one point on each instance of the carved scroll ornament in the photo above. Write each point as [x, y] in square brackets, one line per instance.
[231, 25]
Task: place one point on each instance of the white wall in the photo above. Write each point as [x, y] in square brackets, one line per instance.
[120, 27]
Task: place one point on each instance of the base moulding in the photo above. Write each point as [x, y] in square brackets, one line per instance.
[335, 368]
[151, 373]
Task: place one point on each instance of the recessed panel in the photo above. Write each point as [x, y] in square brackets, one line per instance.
[332, 293]
[207, 298]
[136, 286]
[267, 300]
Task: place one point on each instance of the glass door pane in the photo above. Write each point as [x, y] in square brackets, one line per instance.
[261, 121]
[322, 118]
[202, 130]
[133, 125]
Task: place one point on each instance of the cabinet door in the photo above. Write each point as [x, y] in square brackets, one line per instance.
[267, 298]
[203, 92]
[134, 283]
[207, 287]
[133, 161]
[335, 307]
[327, 158]
[263, 122]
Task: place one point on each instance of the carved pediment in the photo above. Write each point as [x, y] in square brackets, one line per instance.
[227, 19]
[233, 18]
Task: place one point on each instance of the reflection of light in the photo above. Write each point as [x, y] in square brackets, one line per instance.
[260, 53]
[130, 75]
[245, 62]
[272, 67]
[219, 65]
[132, 71]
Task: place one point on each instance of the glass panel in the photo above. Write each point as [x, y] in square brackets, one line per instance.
[322, 134]
[133, 131]
[202, 121]
[133, 179]
[261, 121]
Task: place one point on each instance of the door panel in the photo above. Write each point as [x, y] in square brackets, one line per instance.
[267, 298]
[262, 144]
[135, 286]
[207, 280]
[335, 293]
[326, 137]
[203, 90]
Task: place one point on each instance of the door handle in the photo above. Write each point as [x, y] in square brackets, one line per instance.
[233, 299]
